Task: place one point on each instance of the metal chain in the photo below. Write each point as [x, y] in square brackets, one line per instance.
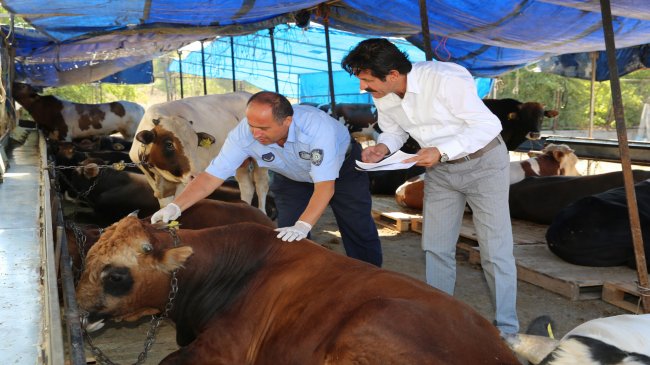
[116, 166]
[154, 323]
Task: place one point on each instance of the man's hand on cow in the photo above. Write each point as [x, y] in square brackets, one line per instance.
[166, 214]
[294, 233]
[426, 157]
[375, 153]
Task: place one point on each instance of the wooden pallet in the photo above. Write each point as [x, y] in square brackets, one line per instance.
[416, 225]
[387, 213]
[623, 295]
[523, 232]
[394, 220]
[538, 266]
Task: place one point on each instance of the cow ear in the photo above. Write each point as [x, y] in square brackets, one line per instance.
[551, 113]
[145, 137]
[175, 258]
[558, 155]
[512, 116]
[205, 139]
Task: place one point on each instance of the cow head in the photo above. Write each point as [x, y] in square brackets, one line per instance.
[127, 273]
[25, 94]
[534, 114]
[565, 156]
[170, 148]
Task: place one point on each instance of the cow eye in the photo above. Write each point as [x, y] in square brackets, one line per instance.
[147, 247]
[169, 145]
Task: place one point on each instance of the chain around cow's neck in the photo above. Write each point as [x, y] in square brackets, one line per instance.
[154, 323]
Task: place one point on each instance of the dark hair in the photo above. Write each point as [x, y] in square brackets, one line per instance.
[378, 55]
[280, 106]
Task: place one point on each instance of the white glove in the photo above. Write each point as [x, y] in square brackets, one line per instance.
[299, 231]
[166, 214]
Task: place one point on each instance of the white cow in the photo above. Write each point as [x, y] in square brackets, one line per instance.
[617, 340]
[178, 139]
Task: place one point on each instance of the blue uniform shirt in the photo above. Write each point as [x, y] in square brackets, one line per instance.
[314, 151]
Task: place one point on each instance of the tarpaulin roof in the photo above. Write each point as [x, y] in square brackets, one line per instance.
[487, 37]
[300, 60]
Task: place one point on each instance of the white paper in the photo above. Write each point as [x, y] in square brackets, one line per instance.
[390, 162]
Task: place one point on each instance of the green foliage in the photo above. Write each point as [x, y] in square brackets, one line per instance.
[95, 93]
[571, 97]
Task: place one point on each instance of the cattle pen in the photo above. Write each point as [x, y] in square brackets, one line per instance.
[39, 321]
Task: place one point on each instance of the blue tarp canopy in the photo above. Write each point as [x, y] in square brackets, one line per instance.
[487, 37]
[301, 62]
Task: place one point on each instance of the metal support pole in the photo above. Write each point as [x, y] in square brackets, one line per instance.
[633, 210]
[180, 71]
[275, 64]
[426, 35]
[205, 85]
[232, 63]
[592, 99]
[330, 75]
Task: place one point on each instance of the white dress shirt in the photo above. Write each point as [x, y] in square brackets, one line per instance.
[440, 108]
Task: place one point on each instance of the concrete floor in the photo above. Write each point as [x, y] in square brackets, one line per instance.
[22, 305]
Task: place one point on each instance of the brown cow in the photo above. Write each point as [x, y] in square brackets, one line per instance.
[555, 160]
[64, 120]
[203, 214]
[246, 297]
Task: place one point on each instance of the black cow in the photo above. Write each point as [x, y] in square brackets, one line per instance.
[520, 121]
[356, 116]
[595, 230]
[539, 198]
[111, 193]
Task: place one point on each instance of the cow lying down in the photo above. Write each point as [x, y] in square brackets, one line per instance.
[246, 297]
[203, 214]
[595, 230]
[618, 340]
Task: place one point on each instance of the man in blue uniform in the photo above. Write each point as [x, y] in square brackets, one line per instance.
[313, 157]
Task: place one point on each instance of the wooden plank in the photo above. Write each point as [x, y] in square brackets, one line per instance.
[469, 250]
[416, 225]
[393, 220]
[387, 213]
[623, 295]
[538, 266]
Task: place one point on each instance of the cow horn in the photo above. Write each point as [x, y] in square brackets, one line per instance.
[134, 213]
[532, 348]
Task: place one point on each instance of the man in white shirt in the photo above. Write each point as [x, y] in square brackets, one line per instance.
[313, 157]
[436, 103]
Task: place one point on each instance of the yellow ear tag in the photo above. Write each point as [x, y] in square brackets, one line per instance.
[173, 224]
[119, 166]
[550, 331]
[205, 142]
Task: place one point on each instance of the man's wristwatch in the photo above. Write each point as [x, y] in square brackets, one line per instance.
[444, 158]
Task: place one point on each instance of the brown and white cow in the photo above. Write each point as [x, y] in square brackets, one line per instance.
[555, 160]
[64, 120]
[178, 139]
[246, 297]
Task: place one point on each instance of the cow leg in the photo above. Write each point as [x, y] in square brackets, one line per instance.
[246, 187]
[261, 178]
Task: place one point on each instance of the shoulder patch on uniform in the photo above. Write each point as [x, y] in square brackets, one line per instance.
[316, 156]
[304, 155]
[268, 157]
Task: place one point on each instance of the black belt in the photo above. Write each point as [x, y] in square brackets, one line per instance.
[493, 143]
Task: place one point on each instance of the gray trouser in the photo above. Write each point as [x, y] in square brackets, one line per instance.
[483, 183]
